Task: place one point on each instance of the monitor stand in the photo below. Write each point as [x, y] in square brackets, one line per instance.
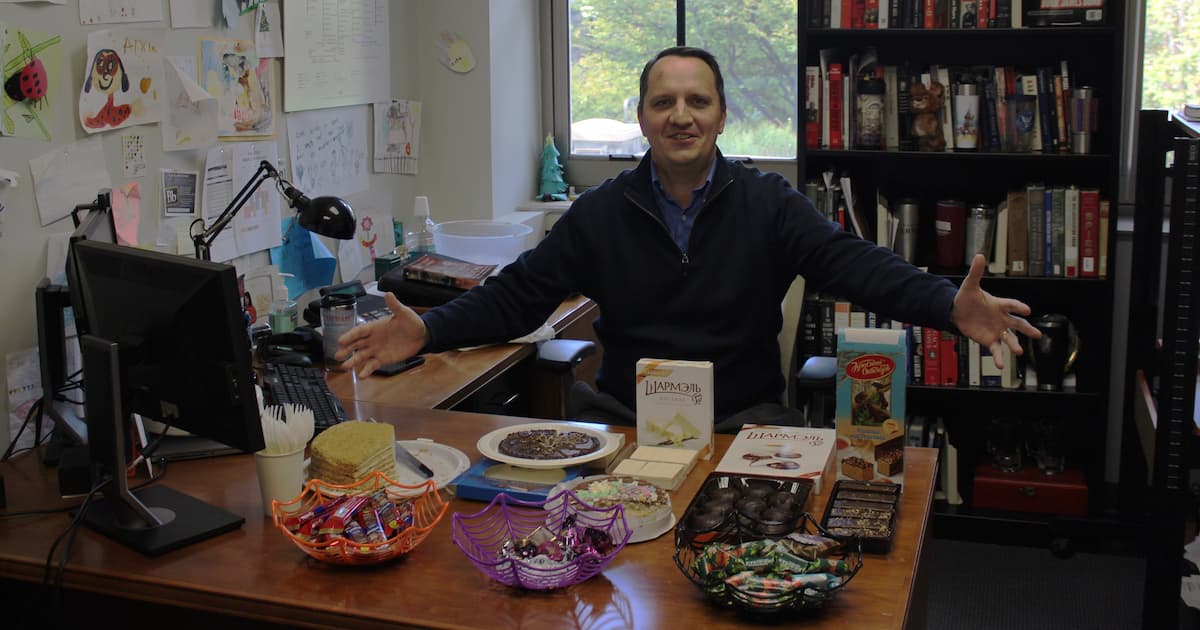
[185, 520]
[153, 520]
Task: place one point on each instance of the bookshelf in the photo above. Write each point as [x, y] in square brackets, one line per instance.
[1095, 57]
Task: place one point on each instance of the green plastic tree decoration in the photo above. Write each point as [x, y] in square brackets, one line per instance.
[553, 187]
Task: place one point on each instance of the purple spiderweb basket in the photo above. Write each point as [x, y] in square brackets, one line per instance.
[481, 537]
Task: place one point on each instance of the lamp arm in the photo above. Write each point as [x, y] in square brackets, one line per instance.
[204, 240]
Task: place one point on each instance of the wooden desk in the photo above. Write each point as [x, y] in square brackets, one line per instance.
[256, 573]
[448, 378]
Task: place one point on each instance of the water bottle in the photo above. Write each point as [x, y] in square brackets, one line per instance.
[421, 241]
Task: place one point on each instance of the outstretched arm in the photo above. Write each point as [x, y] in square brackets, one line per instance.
[387, 340]
[988, 319]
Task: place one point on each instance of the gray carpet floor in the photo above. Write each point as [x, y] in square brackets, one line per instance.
[982, 586]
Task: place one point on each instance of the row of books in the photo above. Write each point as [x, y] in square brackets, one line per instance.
[935, 357]
[1008, 100]
[882, 14]
[1039, 230]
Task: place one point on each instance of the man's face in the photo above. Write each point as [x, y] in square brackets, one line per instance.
[681, 115]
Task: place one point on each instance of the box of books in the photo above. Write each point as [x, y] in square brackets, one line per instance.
[675, 404]
[777, 451]
[871, 381]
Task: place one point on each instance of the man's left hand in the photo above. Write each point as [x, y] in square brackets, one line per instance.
[988, 319]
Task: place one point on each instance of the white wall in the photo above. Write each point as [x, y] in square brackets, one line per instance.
[464, 135]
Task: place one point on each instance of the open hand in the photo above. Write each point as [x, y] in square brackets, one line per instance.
[368, 346]
[988, 319]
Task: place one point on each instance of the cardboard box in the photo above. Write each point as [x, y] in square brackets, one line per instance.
[776, 451]
[871, 380]
[675, 404]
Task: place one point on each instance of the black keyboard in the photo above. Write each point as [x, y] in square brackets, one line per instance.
[304, 386]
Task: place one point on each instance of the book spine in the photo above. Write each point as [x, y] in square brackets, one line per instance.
[828, 334]
[1071, 231]
[948, 358]
[1036, 198]
[891, 114]
[904, 108]
[933, 353]
[885, 14]
[1089, 232]
[1060, 127]
[942, 75]
[826, 13]
[1045, 94]
[981, 18]
[1027, 84]
[916, 354]
[973, 360]
[989, 109]
[835, 106]
[1048, 232]
[999, 255]
[812, 106]
[1004, 10]
[1058, 227]
[1018, 233]
[1102, 251]
[814, 13]
[930, 9]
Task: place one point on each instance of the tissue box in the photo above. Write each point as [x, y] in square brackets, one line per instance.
[675, 404]
[871, 379]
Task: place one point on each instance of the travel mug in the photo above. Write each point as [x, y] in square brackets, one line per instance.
[980, 222]
[949, 223]
[906, 232]
[339, 313]
[966, 117]
[1055, 352]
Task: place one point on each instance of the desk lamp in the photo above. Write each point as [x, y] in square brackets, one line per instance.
[327, 216]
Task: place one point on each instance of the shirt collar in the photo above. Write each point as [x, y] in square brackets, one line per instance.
[712, 168]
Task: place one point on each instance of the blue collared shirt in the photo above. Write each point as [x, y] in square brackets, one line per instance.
[679, 220]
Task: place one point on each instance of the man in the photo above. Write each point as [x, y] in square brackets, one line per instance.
[688, 257]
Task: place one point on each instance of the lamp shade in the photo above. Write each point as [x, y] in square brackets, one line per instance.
[327, 216]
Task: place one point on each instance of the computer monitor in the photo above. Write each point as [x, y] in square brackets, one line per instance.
[93, 222]
[166, 339]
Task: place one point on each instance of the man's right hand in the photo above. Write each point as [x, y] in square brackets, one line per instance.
[387, 340]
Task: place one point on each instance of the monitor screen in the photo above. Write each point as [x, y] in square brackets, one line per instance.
[179, 323]
[95, 225]
[166, 339]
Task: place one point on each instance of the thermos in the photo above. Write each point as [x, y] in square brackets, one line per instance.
[981, 220]
[966, 117]
[949, 224]
[906, 232]
[339, 313]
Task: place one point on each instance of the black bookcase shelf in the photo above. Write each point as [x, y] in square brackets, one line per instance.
[1096, 58]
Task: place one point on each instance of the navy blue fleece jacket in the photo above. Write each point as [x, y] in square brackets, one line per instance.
[718, 301]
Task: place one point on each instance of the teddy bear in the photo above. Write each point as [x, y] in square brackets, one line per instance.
[927, 117]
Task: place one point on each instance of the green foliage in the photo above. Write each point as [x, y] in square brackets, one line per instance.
[759, 140]
[753, 40]
[1172, 54]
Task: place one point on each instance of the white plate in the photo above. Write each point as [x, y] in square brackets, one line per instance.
[446, 462]
[489, 445]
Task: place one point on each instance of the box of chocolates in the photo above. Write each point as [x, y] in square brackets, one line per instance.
[674, 401]
[779, 451]
[732, 506]
[864, 511]
[871, 382]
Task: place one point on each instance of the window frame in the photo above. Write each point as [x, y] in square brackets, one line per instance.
[588, 170]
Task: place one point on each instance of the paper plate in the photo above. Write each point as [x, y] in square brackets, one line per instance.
[489, 445]
[446, 462]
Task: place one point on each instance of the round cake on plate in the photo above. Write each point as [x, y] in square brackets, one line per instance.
[647, 506]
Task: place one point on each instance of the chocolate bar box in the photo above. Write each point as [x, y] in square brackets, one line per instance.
[871, 380]
[675, 404]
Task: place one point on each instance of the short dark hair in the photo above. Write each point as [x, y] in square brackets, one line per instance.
[682, 51]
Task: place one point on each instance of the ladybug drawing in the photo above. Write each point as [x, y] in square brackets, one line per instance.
[27, 83]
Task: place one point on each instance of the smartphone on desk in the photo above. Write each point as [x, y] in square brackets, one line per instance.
[393, 369]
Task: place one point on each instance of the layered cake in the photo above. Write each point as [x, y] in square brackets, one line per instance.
[351, 450]
[858, 468]
[647, 506]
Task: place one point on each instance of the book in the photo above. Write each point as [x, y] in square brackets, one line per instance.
[446, 271]
[999, 254]
[1102, 250]
[871, 388]
[836, 88]
[778, 451]
[948, 358]
[1035, 195]
[1045, 13]
[1089, 232]
[812, 107]
[674, 404]
[932, 360]
[1027, 85]
[1071, 231]
[1018, 233]
[1058, 232]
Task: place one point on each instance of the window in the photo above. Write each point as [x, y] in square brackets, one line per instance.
[1171, 55]
[601, 47]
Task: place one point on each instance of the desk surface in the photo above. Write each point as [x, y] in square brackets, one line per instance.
[448, 378]
[255, 572]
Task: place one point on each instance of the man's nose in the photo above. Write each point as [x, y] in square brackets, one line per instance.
[681, 115]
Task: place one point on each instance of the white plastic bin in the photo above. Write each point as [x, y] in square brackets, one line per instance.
[483, 242]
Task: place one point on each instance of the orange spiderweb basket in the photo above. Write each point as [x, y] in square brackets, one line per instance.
[427, 509]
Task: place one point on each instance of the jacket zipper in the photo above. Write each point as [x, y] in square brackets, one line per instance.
[683, 260]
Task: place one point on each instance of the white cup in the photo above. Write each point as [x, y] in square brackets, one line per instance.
[280, 476]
